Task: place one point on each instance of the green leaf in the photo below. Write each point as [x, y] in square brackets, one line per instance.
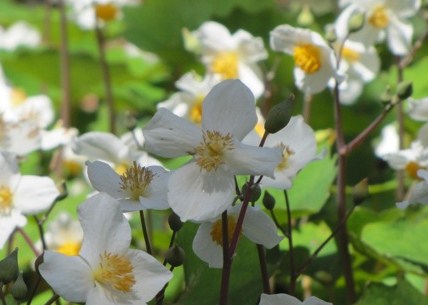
[402, 293]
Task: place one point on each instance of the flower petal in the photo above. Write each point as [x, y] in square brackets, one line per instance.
[104, 227]
[69, 276]
[150, 275]
[205, 248]
[229, 108]
[279, 299]
[34, 194]
[98, 145]
[8, 225]
[399, 36]
[104, 179]
[170, 136]
[199, 196]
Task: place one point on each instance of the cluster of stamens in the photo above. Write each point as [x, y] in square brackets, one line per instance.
[135, 181]
[6, 198]
[209, 154]
[226, 64]
[286, 154]
[307, 57]
[217, 230]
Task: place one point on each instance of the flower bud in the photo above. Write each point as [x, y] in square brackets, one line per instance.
[356, 22]
[330, 35]
[175, 256]
[386, 96]
[174, 222]
[279, 115]
[268, 201]
[255, 192]
[305, 18]
[9, 267]
[360, 192]
[405, 90]
[19, 289]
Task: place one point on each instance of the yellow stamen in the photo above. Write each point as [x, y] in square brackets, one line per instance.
[209, 154]
[106, 12]
[6, 200]
[217, 230]
[412, 169]
[350, 55]
[260, 129]
[136, 180]
[17, 97]
[121, 168]
[226, 64]
[379, 17]
[72, 168]
[196, 110]
[307, 57]
[70, 248]
[286, 154]
[115, 271]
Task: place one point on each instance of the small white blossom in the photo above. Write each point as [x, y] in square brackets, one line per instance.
[282, 299]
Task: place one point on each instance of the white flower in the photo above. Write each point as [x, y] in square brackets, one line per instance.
[298, 145]
[232, 55]
[138, 188]
[188, 102]
[21, 195]
[382, 17]
[203, 188]
[106, 271]
[257, 227]
[20, 34]
[88, 12]
[389, 141]
[282, 299]
[64, 235]
[314, 60]
[418, 192]
[119, 152]
[418, 109]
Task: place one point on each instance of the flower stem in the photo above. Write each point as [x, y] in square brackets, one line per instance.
[28, 241]
[400, 121]
[34, 290]
[275, 220]
[53, 299]
[41, 231]
[106, 79]
[65, 68]
[263, 268]
[227, 260]
[145, 233]
[293, 277]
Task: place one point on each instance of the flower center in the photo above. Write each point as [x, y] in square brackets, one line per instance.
[106, 12]
[196, 110]
[136, 180]
[6, 200]
[210, 152]
[217, 230]
[350, 55]
[307, 57]
[17, 96]
[121, 168]
[115, 271]
[69, 248]
[73, 168]
[286, 154]
[379, 17]
[412, 169]
[226, 64]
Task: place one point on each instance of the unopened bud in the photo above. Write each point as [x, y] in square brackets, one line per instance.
[405, 90]
[191, 42]
[174, 222]
[305, 18]
[279, 115]
[268, 201]
[175, 256]
[19, 289]
[330, 35]
[386, 96]
[255, 192]
[360, 192]
[9, 267]
[356, 22]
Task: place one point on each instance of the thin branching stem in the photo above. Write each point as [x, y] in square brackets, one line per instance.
[293, 277]
[145, 233]
[227, 260]
[261, 251]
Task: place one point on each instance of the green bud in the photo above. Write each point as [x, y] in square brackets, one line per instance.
[175, 256]
[305, 18]
[360, 192]
[174, 222]
[19, 289]
[386, 96]
[191, 42]
[279, 115]
[405, 90]
[255, 192]
[268, 201]
[330, 35]
[356, 22]
[9, 267]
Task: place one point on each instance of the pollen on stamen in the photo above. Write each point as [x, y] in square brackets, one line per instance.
[307, 57]
[226, 64]
[286, 154]
[350, 55]
[106, 12]
[136, 180]
[115, 271]
[6, 200]
[217, 230]
[379, 17]
[196, 110]
[412, 169]
[209, 154]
